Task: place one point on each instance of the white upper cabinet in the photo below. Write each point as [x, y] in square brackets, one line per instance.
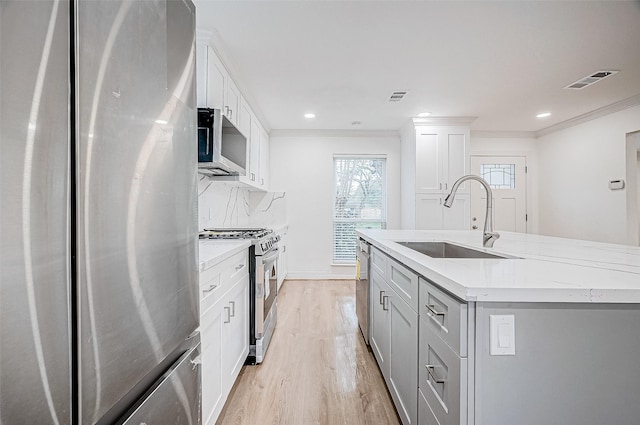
[231, 101]
[437, 155]
[264, 159]
[211, 77]
[255, 152]
[244, 118]
[217, 89]
[441, 157]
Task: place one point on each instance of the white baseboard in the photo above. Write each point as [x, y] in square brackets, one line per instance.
[294, 275]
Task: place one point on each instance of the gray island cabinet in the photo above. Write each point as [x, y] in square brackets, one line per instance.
[549, 335]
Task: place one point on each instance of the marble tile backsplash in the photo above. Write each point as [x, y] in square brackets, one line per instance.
[227, 204]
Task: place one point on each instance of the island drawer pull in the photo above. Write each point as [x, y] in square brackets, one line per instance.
[381, 294]
[384, 303]
[429, 368]
[210, 288]
[233, 308]
[433, 310]
[239, 266]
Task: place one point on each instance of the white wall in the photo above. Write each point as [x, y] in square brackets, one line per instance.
[302, 167]
[513, 146]
[575, 166]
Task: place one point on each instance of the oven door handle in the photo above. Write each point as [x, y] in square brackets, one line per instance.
[269, 258]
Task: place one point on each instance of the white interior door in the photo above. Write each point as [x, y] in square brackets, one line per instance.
[507, 178]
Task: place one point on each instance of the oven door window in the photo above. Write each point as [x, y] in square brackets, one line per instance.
[270, 286]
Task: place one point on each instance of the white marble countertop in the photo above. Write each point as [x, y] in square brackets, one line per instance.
[213, 251]
[548, 269]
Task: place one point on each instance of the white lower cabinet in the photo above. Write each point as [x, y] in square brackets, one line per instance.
[224, 331]
[211, 335]
[235, 333]
[394, 342]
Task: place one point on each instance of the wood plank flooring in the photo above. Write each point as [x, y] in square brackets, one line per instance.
[317, 369]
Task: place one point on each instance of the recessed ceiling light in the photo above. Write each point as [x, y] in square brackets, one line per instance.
[309, 115]
[161, 122]
[543, 115]
[424, 114]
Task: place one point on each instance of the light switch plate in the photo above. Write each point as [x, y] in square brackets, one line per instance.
[502, 335]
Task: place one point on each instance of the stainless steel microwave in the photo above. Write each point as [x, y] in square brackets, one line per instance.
[222, 148]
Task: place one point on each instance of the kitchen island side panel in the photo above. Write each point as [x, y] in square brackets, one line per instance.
[575, 364]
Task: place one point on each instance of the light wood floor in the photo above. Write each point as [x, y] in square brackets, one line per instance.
[317, 369]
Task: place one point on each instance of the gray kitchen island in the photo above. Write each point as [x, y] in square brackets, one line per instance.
[542, 330]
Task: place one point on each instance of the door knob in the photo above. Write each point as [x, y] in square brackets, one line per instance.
[474, 227]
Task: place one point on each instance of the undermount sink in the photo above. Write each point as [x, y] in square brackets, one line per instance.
[447, 250]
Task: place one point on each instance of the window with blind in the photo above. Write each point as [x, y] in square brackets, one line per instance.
[359, 202]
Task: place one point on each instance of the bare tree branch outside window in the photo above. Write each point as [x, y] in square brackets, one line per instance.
[359, 202]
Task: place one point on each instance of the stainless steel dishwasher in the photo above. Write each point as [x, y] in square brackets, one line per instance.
[362, 287]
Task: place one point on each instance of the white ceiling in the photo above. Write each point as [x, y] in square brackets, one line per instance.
[502, 61]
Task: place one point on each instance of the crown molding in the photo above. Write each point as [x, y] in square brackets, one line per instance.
[334, 133]
[443, 120]
[589, 116]
[503, 134]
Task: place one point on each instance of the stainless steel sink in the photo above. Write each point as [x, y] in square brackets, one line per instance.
[447, 250]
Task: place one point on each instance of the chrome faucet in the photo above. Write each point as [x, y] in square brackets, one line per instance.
[489, 236]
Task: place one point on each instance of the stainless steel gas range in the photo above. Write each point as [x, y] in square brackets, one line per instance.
[263, 284]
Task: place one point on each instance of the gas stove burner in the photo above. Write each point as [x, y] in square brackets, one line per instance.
[240, 233]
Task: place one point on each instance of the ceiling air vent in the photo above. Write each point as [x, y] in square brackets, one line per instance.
[591, 79]
[397, 96]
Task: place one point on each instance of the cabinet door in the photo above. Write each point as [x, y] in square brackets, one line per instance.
[201, 75]
[216, 80]
[264, 159]
[429, 212]
[428, 163]
[212, 391]
[379, 337]
[454, 156]
[244, 118]
[254, 155]
[403, 358]
[235, 333]
[232, 101]
[282, 259]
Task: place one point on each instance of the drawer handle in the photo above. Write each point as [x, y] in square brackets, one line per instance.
[233, 308]
[210, 288]
[228, 315]
[433, 310]
[381, 294]
[429, 368]
[384, 302]
[239, 266]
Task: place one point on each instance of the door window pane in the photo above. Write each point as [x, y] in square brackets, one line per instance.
[499, 176]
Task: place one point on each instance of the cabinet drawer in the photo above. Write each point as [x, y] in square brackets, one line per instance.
[425, 414]
[445, 315]
[404, 282]
[238, 266]
[216, 280]
[442, 378]
[379, 261]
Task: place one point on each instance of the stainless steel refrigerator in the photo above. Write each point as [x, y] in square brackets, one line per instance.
[98, 242]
